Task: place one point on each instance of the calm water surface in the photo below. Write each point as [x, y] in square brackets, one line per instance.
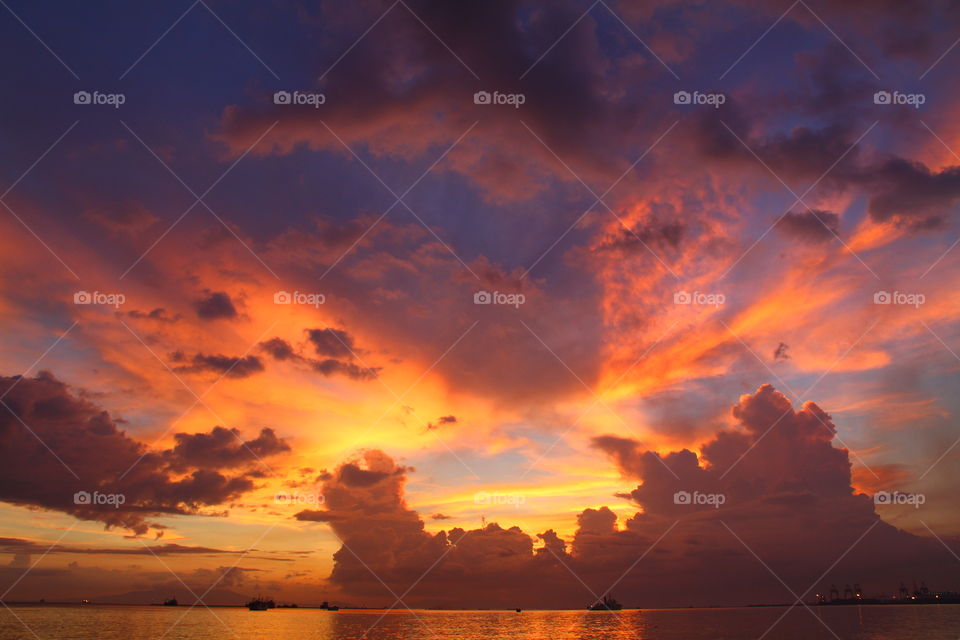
[151, 623]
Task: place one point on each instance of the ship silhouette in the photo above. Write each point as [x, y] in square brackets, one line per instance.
[260, 604]
[172, 602]
[608, 603]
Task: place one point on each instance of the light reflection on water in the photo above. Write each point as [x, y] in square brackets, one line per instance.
[150, 623]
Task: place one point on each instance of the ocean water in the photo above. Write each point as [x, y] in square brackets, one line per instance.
[104, 622]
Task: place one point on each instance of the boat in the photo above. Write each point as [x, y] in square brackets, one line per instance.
[608, 603]
[259, 604]
[328, 606]
[172, 602]
[518, 609]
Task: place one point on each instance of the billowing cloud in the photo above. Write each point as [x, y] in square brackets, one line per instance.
[775, 486]
[61, 451]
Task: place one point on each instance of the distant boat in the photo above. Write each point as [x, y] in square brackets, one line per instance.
[607, 604]
[172, 602]
[259, 604]
[518, 609]
[329, 607]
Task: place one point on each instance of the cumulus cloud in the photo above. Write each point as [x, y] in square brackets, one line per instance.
[787, 497]
[54, 443]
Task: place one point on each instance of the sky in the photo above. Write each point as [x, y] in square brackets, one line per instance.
[480, 304]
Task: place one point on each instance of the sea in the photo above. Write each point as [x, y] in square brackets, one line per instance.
[106, 622]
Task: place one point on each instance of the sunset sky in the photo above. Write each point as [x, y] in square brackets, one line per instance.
[401, 345]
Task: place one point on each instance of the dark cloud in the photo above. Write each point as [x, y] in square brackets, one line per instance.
[908, 191]
[230, 366]
[223, 449]
[814, 226]
[279, 349]
[55, 443]
[214, 305]
[331, 343]
[159, 314]
[442, 420]
[569, 94]
[780, 353]
[899, 189]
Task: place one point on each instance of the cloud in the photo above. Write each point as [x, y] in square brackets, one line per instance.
[442, 420]
[330, 344]
[223, 448]
[215, 305]
[780, 353]
[54, 443]
[813, 226]
[787, 497]
[334, 343]
[230, 366]
[908, 191]
[159, 314]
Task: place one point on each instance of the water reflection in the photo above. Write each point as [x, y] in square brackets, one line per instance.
[177, 623]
